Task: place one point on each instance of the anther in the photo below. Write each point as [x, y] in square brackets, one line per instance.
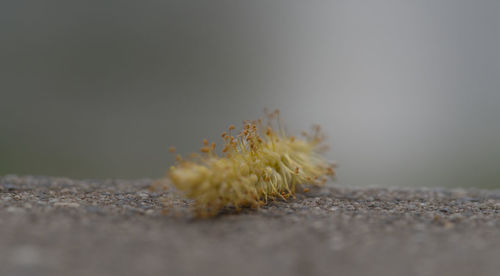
[268, 131]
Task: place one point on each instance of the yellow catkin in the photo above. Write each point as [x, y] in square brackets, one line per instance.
[252, 169]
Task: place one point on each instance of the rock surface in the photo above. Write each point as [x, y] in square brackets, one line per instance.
[59, 226]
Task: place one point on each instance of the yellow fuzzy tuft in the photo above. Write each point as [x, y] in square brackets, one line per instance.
[257, 165]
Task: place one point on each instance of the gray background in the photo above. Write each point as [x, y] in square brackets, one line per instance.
[408, 91]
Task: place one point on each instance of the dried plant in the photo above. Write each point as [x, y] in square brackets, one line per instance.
[258, 164]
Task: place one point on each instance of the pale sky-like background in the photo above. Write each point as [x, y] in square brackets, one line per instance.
[407, 91]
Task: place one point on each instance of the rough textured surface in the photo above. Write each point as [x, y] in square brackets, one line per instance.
[57, 226]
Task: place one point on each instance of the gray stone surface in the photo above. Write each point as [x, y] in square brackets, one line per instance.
[58, 226]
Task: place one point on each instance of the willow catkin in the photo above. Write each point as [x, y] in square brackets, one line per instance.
[256, 165]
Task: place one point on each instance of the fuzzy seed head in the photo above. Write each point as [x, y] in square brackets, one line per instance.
[252, 168]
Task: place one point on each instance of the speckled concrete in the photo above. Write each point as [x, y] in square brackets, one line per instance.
[58, 226]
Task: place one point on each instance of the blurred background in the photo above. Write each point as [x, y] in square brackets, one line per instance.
[407, 91]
